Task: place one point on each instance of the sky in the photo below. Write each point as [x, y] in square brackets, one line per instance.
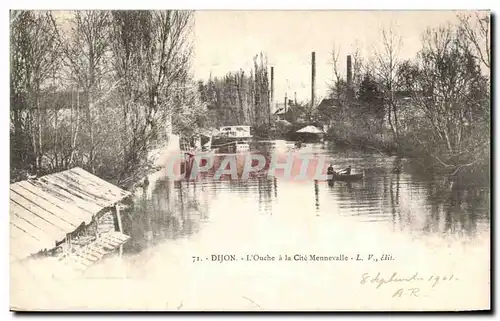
[227, 41]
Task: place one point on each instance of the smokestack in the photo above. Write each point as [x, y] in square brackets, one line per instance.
[349, 71]
[272, 89]
[313, 76]
[286, 101]
[295, 98]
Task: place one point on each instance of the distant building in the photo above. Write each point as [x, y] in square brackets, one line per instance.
[327, 103]
[236, 131]
[291, 112]
[279, 114]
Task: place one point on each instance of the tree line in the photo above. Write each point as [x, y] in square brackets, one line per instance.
[239, 98]
[98, 89]
[434, 107]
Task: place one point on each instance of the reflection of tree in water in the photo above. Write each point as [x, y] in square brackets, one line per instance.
[171, 212]
[368, 192]
[316, 195]
[450, 207]
[275, 186]
[458, 205]
[265, 188]
[394, 199]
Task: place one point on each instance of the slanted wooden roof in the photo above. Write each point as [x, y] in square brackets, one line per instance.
[45, 210]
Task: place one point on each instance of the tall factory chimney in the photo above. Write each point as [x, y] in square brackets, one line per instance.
[349, 71]
[313, 76]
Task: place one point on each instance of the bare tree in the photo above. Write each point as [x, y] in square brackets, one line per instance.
[476, 29]
[357, 66]
[453, 95]
[387, 63]
[334, 60]
[34, 60]
[86, 51]
[151, 59]
[338, 88]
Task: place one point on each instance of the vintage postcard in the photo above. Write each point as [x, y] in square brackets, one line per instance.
[168, 160]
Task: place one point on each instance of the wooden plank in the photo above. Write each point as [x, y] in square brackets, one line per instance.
[35, 209]
[121, 236]
[103, 184]
[107, 245]
[99, 250]
[85, 261]
[84, 188]
[74, 190]
[108, 186]
[72, 199]
[33, 230]
[118, 239]
[87, 256]
[67, 198]
[90, 186]
[35, 216]
[82, 260]
[22, 245]
[95, 253]
[71, 209]
[50, 207]
[38, 217]
[112, 242]
[114, 239]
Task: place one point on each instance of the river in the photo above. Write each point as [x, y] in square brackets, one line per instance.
[411, 203]
[406, 226]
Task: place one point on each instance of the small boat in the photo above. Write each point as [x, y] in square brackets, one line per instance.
[240, 147]
[345, 177]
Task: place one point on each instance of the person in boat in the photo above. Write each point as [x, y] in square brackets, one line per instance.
[330, 170]
[346, 171]
[298, 144]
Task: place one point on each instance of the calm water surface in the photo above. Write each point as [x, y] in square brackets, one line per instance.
[407, 203]
[426, 225]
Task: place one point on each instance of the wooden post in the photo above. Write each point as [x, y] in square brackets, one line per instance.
[120, 228]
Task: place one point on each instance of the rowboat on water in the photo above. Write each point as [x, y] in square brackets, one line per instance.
[344, 177]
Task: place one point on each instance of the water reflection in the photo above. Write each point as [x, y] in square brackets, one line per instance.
[316, 195]
[169, 210]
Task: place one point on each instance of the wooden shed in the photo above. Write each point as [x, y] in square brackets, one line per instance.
[46, 213]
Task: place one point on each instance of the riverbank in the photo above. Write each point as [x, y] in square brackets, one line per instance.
[419, 159]
[156, 159]
[153, 161]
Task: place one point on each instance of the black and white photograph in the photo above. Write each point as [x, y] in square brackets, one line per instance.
[250, 160]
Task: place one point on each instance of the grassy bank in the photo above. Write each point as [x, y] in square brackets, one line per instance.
[461, 167]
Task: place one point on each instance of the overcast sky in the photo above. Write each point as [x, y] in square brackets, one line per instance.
[227, 41]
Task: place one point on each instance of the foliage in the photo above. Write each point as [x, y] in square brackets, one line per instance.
[99, 90]
[435, 106]
[239, 98]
